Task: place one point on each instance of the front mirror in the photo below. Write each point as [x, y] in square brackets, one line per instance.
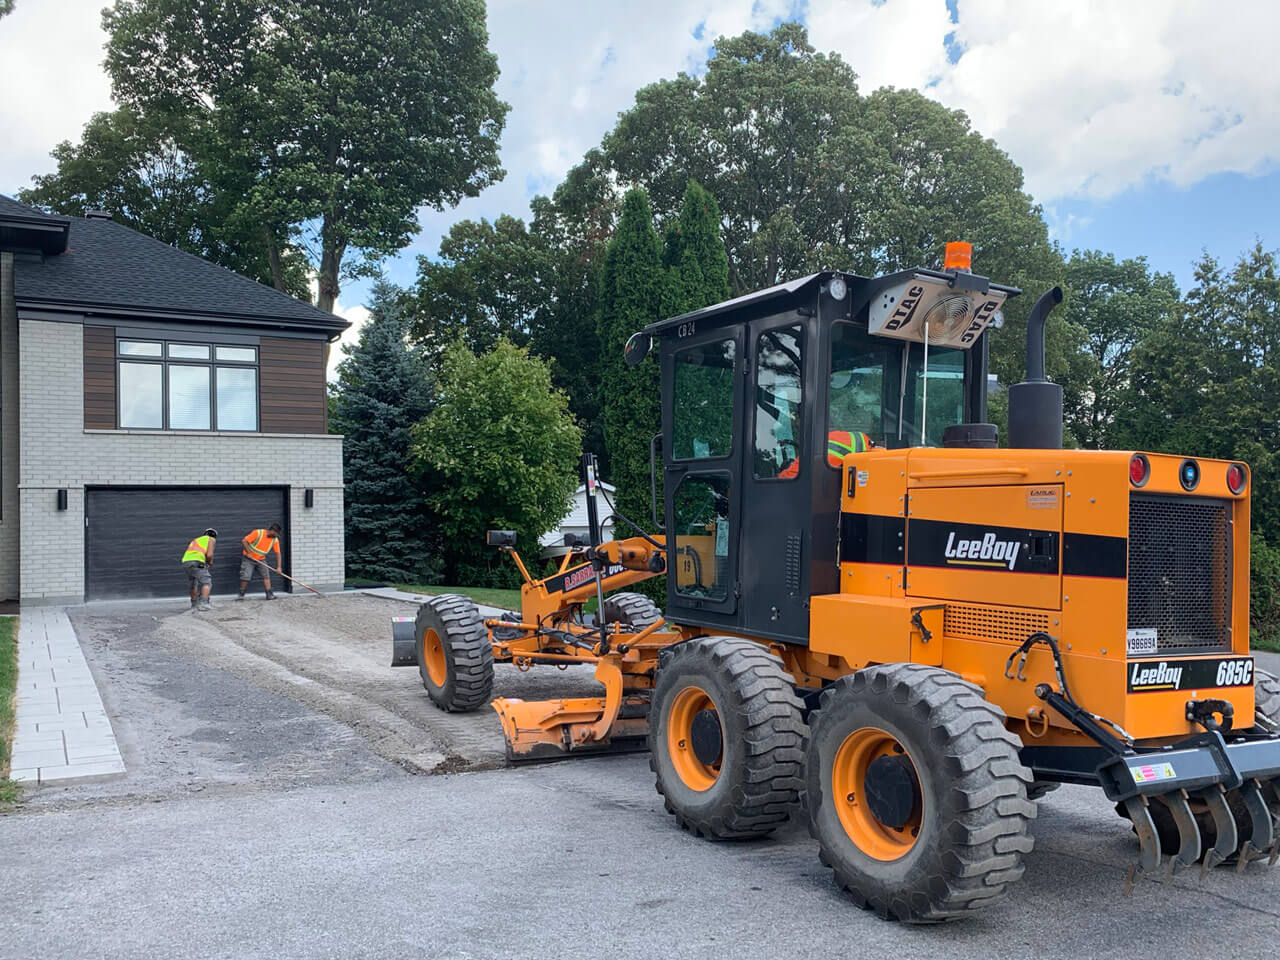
[637, 348]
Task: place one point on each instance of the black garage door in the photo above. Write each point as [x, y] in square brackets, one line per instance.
[135, 538]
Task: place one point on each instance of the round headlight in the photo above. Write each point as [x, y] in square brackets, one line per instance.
[837, 288]
[1189, 474]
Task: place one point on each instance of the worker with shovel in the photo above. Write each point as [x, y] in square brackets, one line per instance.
[256, 545]
[196, 561]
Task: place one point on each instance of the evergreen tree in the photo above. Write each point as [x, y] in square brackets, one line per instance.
[696, 257]
[632, 295]
[383, 390]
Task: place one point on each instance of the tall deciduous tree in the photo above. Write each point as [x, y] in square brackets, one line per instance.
[345, 117]
[500, 450]
[383, 390]
[488, 283]
[1116, 303]
[134, 167]
[633, 290]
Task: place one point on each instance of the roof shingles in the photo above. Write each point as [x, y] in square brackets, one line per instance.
[109, 265]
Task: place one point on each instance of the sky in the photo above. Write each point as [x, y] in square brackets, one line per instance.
[1143, 127]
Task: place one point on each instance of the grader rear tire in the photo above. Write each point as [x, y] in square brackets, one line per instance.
[915, 793]
[633, 610]
[455, 657]
[726, 740]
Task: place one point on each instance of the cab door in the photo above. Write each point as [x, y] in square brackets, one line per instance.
[778, 471]
[702, 458]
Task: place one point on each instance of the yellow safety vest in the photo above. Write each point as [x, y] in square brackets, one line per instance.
[263, 543]
[197, 549]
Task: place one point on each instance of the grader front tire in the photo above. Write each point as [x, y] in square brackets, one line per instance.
[915, 793]
[455, 656]
[726, 739]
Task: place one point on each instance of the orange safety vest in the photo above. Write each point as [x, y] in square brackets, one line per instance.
[263, 543]
[839, 443]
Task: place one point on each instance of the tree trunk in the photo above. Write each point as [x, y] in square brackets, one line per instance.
[330, 261]
[273, 259]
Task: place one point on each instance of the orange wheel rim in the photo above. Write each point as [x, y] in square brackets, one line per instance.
[695, 773]
[433, 657]
[848, 787]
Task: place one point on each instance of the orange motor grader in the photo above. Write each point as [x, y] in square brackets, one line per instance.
[917, 638]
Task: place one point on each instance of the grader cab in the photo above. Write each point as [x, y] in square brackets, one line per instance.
[870, 604]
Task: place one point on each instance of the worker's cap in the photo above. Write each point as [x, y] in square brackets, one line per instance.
[276, 527]
[211, 533]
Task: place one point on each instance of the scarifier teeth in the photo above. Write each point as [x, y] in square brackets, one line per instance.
[1148, 841]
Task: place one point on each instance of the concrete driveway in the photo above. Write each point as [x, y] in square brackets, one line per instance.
[271, 810]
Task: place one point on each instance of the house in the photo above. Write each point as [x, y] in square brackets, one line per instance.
[146, 394]
[575, 521]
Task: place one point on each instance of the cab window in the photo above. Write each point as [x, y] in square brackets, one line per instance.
[776, 454]
[701, 514]
[877, 389]
[702, 418]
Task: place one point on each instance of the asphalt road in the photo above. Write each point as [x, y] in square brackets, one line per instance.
[270, 812]
[572, 860]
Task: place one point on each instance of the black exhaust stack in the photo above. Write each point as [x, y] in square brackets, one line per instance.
[1035, 404]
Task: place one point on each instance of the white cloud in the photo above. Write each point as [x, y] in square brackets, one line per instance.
[1090, 97]
[51, 82]
[359, 316]
[1093, 97]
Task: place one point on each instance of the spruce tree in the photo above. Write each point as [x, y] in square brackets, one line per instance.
[633, 284]
[383, 390]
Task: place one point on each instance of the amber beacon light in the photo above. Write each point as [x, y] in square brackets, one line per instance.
[958, 256]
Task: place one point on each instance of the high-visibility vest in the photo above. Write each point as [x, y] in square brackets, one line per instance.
[839, 443]
[197, 549]
[263, 543]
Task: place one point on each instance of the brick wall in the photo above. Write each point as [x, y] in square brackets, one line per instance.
[9, 511]
[57, 451]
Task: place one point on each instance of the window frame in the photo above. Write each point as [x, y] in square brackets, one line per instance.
[164, 361]
[802, 347]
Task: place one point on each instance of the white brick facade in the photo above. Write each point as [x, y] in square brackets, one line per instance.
[9, 511]
[56, 451]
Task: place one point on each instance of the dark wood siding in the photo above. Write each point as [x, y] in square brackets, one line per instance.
[291, 386]
[99, 378]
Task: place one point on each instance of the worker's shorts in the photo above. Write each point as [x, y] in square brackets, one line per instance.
[197, 574]
[250, 566]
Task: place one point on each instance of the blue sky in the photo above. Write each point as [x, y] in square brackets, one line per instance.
[1144, 127]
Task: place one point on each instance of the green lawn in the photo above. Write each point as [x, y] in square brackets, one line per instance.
[8, 686]
[506, 599]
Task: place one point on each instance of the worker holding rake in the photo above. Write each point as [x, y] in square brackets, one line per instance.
[255, 547]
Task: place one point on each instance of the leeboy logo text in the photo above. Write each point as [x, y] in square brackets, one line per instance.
[988, 551]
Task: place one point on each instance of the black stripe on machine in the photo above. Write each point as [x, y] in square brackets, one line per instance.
[1152, 676]
[981, 546]
[1089, 555]
[868, 538]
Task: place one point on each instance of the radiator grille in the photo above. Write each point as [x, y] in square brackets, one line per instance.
[992, 623]
[1180, 571]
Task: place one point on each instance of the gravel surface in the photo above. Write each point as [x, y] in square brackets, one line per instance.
[259, 695]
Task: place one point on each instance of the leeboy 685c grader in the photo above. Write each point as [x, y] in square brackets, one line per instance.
[875, 611]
